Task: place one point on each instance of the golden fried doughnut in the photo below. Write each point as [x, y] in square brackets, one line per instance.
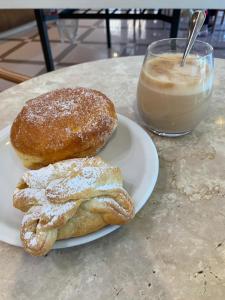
[61, 124]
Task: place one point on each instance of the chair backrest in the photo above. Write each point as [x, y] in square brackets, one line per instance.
[12, 76]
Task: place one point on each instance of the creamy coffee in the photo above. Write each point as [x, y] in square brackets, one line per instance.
[174, 99]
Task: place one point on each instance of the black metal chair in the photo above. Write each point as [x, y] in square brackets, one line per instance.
[105, 14]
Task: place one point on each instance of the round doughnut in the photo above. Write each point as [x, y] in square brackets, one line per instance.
[61, 124]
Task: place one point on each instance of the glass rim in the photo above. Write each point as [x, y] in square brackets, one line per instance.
[153, 44]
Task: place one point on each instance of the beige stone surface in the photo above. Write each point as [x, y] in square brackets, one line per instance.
[174, 249]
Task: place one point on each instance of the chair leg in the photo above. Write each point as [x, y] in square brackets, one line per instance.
[175, 23]
[222, 20]
[43, 32]
[134, 20]
[108, 35]
[214, 22]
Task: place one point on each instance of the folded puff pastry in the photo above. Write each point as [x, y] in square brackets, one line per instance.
[68, 199]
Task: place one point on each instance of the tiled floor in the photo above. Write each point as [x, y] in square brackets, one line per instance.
[22, 52]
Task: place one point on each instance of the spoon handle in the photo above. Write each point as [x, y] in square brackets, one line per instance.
[197, 21]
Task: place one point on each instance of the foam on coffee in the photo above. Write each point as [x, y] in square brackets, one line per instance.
[164, 73]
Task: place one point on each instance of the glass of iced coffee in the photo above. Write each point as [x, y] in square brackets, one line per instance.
[172, 99]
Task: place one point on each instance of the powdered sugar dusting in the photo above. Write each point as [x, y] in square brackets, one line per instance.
[43, 109]
[110, 201]
[28, 235]
[43, 177]
[39, 178]
[52, 210]
[32, 215]
[86, 179]
[30, 239]
[33, 242]
[109, 186]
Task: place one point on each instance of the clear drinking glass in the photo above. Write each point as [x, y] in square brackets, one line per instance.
[172, 100]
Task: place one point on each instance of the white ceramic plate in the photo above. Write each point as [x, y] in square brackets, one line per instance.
[130, 148]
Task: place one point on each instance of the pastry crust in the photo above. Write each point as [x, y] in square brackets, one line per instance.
[68, 199]
[61, 124]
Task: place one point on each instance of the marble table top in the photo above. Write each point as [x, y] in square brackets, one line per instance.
[174, 249]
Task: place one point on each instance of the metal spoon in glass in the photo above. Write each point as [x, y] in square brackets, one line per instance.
[197, 21]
